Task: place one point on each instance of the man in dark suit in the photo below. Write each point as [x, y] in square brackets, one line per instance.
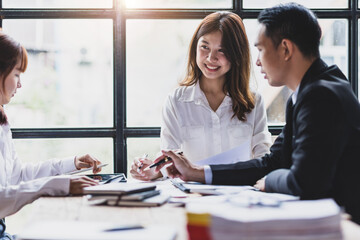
[317, 154]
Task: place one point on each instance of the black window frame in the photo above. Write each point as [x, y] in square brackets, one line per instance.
[119, 14]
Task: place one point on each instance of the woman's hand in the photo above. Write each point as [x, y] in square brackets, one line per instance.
[87, 161]
[137, 170]
[77, 184]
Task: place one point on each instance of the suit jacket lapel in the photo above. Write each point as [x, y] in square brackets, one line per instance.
[288, 135]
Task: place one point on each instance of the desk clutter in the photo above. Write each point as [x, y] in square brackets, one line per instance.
[212, 212]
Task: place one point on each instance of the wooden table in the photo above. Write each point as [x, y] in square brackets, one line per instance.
[76, 208]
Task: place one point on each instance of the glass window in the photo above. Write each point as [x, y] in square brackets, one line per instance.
[57, 3]
[334, 43]
[69, 80]
[36, 150]
[150, 146]
[156, 55]
[307, 3]
[179, 4]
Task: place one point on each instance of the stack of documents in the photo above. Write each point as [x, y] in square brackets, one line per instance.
[259, 218]
[126, 194]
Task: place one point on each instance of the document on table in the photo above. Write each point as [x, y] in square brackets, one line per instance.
[79, 230]
[239, 154]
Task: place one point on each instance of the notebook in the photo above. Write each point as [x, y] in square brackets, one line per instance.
[154, 201]
[119, 188]
[130, 197]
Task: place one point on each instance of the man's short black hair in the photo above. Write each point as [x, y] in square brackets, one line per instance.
[294, 22]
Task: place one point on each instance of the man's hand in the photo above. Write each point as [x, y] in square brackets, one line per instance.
[77, 183]
[87, 161]
[260, 184]
[181, 168]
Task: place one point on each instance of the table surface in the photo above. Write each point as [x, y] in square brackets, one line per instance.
[77, 209]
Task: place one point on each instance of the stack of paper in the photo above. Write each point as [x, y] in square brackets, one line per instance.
[252, 219]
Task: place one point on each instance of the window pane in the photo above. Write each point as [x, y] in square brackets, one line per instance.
[333, 49]
[307, 3]
[69, 80]
[334, 43]
[57, 3]
[150, 146]
[179, 4]
[156, 53]
[36, 150]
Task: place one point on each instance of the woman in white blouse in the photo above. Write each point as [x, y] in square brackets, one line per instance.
[21, 184]
[213, 110]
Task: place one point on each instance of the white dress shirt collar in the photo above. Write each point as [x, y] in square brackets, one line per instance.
[295, 94]
[194, 94]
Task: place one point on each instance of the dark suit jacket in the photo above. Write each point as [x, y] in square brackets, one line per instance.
[317, 154]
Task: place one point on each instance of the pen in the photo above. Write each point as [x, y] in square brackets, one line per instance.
[180, 186]
[87, 169]
[125, 227]
[142, 164]
[164, 160]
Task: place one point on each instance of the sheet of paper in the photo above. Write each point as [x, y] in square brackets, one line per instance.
[238, 154]
[76, 230]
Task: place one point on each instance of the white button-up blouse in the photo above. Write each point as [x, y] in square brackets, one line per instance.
[21, 184]
[189, 124]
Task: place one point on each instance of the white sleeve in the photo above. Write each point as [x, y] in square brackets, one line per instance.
[14, 197]
[261, 140]
[30, 171]
[170, 136]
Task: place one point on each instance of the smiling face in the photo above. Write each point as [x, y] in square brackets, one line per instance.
[11, 84]
[210, 56]
[270, 59]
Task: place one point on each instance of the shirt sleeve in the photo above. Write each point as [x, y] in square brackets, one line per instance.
[261, 140]
[170, 135]
[14, 197]
[208, 174]
[29, 171]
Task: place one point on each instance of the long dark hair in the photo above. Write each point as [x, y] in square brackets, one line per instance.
[236, 45]
[11, 52]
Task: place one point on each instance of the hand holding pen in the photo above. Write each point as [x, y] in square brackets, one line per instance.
[164, 160]
[138, 166]
[181, 167]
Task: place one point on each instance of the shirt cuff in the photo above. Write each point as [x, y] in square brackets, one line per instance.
[208, 174]
[68, 165]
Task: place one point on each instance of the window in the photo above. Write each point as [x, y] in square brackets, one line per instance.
[99, 70]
